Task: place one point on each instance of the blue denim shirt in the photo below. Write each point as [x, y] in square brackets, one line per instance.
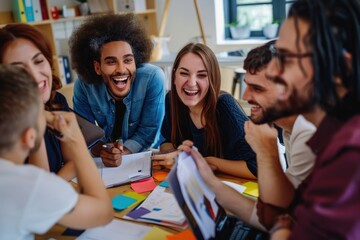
[144, 107]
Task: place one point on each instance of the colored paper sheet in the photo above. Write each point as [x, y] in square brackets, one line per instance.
[144, 185]
[156, 233]
[252, 189]
[187, 234]
[139, 212]
[139, 198]
[160, 175]
[121, 202]
[164, 184]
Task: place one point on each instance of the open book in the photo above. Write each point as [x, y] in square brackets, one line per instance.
[133, 167]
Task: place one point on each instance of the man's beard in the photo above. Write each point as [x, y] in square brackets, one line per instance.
[295, 104]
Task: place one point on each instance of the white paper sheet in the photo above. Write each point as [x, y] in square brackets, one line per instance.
[133, 167]
[115, 230]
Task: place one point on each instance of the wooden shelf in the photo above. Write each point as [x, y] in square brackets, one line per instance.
[148, 18]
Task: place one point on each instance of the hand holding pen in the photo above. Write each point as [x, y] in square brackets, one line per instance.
[111, 153]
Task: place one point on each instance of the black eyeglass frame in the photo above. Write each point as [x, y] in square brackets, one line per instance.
[280, 57]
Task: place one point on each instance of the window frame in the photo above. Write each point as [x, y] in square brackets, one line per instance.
[230, 13]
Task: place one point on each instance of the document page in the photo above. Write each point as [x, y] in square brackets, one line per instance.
[133, 167]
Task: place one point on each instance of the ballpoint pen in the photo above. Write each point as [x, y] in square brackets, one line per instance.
[119, 140]
[107, 146]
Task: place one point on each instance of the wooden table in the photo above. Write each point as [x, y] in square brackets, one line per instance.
[56, 231]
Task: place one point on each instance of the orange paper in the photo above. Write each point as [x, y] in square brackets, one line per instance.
[187, 234]
[160, 175]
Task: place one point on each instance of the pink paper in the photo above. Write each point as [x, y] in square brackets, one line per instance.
[146, 185]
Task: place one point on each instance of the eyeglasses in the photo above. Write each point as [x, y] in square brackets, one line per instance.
[280, 57]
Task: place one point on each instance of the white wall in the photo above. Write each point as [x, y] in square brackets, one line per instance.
[182, 24]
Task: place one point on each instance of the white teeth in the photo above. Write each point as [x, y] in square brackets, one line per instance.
[41, 84]
[254, 106]
[191, 91]
[120, 78]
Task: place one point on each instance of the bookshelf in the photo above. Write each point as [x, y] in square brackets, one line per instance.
[146, 12]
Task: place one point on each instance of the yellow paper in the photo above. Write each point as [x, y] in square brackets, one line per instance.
[156, 233]
[252, 189]
[136, 196]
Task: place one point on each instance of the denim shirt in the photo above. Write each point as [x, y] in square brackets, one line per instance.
[144, 107]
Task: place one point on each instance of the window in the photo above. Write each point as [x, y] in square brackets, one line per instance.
[255, 13]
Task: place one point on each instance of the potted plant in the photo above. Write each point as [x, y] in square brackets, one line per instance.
[239, 29]
[83, 7]
[270, 30]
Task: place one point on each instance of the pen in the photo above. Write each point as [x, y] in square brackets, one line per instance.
[107, 146]
[119, 140]
[55, 132]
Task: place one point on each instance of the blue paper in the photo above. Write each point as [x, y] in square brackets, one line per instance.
[164, 184]
[121, 202]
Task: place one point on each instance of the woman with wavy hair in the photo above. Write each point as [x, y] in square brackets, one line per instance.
[25, 46]
[196, 109]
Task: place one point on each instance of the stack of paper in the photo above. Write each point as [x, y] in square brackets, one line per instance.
[160, 207]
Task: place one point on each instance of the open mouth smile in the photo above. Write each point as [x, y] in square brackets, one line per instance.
[189, 92]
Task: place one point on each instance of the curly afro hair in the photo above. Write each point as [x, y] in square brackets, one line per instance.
[87, 40]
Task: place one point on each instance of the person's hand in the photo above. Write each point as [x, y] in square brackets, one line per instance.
[212, 166]
[166, 159]
[64, 125]
[111, 154]
[262, 138]
[205, 170]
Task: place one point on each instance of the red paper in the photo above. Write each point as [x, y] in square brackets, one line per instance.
[146, 185]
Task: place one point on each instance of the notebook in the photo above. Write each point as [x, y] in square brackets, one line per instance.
[90, 131]
[133, 167]
[205, 216]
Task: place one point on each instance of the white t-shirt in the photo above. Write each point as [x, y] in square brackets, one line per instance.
[31, 200]
[299, 156]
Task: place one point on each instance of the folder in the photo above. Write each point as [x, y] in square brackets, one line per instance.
[29, 10]
[61, 70]
[91, 132]
[67, 71]
[37, 10]
[18, 10]
[44, 10]
[206, 217]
